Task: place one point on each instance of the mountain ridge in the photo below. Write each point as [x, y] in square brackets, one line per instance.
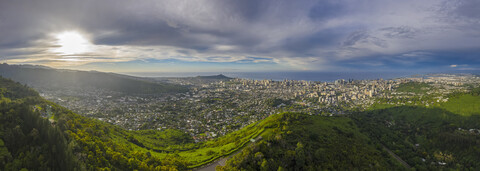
[39, 76]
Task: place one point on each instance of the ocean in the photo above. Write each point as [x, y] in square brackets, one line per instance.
[277, 76]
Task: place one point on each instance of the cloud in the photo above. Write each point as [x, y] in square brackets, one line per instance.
[303, 35]
[453, 66]
[404, 32]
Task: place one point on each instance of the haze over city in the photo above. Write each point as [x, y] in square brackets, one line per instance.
[239, 36]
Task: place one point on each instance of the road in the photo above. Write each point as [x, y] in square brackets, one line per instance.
[222, 161]
[213, 165]
[396, 157]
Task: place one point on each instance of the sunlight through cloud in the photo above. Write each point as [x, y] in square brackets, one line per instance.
[71, 42]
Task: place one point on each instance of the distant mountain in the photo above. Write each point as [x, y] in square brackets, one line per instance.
[192, 80]
[49, 78]
[216, 77]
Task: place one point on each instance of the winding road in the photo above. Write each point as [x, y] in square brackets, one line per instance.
[222, 161]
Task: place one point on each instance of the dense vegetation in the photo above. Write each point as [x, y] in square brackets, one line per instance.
[39, 135]
[84, 143]
[27, 140]
[295, 141]
[445, 135]
[426, 138]
[414, 87]
[62, 79]
[275, 102]
[214, 77]
[67, 141]
[465, 104]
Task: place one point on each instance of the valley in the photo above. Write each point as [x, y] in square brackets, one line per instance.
[428, 124]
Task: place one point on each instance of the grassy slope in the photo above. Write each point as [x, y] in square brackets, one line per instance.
[198, 154]
[158, 145]
[465, 105]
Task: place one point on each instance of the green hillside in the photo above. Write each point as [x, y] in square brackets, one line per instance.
[426, 138]
[301, 142]
[414, 87]
[28, 141]
[54, 79]
[465, 105]
[92, 144]
[36, 134]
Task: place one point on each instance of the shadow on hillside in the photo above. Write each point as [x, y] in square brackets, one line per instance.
[422, 136]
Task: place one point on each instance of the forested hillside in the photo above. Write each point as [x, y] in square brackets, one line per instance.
[27, 140]
[297, 141]
[426, 138]
[53, 79]
[39, 135]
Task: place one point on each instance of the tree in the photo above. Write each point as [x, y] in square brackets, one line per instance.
[299, 157]
[264, 166]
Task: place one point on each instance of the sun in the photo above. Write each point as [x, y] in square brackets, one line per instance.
[71, 42]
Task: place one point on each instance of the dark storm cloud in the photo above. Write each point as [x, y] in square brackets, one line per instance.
[245, 24]
[139, 33]
[304, 33]
[302, 46]
[249, 10]
[356, 37]
[364, 37]
[399, 32]
[159, 23]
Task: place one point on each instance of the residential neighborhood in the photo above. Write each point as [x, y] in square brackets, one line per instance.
[214, 108]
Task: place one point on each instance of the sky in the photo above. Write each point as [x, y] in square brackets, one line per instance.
[242, 35]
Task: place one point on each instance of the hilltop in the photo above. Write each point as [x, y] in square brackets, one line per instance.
[215, 77]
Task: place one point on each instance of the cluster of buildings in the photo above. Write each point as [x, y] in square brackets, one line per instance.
[329, 93]
[215, 108]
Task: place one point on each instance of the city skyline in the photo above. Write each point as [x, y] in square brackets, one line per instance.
[230, 36]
